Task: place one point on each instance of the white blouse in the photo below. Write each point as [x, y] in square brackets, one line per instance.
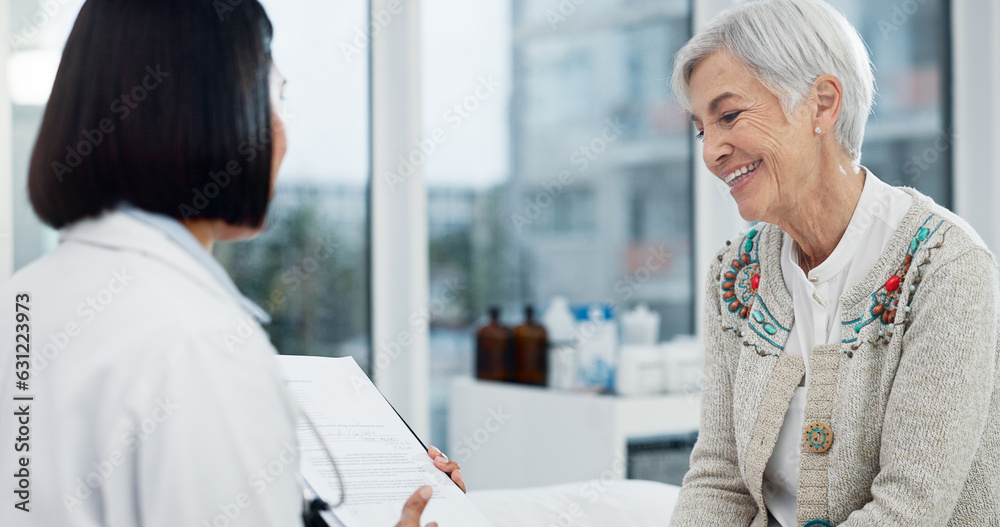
[817, 309]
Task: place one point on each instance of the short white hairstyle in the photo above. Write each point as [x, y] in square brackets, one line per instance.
[787, 44]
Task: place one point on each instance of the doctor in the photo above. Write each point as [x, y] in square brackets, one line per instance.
[138, 385]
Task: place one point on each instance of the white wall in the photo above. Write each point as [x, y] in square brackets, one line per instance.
[6, 168]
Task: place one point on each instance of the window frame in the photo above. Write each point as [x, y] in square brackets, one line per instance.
[975, 62]
[398, 235]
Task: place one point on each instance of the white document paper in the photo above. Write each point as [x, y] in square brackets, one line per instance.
[382, 463]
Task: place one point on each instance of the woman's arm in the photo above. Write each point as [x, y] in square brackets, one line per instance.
[940, 397]
[713, 491]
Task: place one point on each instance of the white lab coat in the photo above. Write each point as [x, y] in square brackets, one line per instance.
[157, 399]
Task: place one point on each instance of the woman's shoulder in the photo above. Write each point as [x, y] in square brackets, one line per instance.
[115, 296]
[940, 235]
[736, 271]
[760, 240]
[927, 228]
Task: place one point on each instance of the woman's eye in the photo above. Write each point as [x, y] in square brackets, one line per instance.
[729, 118]
[700, 136]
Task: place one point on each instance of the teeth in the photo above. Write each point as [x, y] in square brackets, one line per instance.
[731, 178]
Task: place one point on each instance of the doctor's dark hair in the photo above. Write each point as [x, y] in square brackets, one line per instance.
[162, 103]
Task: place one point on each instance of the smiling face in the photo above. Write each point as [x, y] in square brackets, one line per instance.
[770, 161]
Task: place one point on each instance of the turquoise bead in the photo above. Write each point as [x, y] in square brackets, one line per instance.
[913, 244]
[748, 245]
[771, 330]
[752, 234]
[858, 326]
[922, 233]
[758, 316]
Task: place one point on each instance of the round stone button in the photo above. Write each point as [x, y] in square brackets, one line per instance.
[819, 437]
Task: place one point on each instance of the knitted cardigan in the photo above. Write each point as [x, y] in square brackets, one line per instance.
[911, 395]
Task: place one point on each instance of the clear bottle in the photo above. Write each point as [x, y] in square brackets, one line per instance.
[493, 350]
[530, 351]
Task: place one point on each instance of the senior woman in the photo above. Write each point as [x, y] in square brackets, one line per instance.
[851, 368]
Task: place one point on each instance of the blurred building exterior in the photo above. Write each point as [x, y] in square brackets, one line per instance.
[600, 197]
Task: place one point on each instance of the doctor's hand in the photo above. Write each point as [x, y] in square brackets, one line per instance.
[414, 507]
[447, 466]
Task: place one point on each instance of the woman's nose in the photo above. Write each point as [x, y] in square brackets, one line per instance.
[715, 149]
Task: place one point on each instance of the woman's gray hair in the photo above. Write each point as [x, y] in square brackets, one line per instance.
[787, 44]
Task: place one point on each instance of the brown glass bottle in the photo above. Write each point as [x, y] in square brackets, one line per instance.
[493, 350]
[531, 358]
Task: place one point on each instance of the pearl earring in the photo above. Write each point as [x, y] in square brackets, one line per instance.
[818, 130]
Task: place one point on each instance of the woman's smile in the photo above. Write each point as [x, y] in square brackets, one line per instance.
[741, 174]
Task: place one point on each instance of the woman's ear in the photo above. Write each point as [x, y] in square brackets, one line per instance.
[829, 97]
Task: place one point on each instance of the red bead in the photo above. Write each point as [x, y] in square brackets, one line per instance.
[755, 281]
[892, 283]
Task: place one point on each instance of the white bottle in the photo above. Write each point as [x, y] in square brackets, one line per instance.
[641, 326]
[641, 367]
[558, 322]
[597, 337]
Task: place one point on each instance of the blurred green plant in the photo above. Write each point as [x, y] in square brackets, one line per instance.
[304, 272]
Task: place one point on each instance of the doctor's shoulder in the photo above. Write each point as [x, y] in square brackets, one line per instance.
[94, 294]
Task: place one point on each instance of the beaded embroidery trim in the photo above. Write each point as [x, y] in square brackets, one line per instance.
[739, 285]
[885, 301]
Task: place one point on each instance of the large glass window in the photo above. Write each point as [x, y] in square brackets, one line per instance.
[574, 171]
[909, 137]
[38, 33]
[309, 269]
